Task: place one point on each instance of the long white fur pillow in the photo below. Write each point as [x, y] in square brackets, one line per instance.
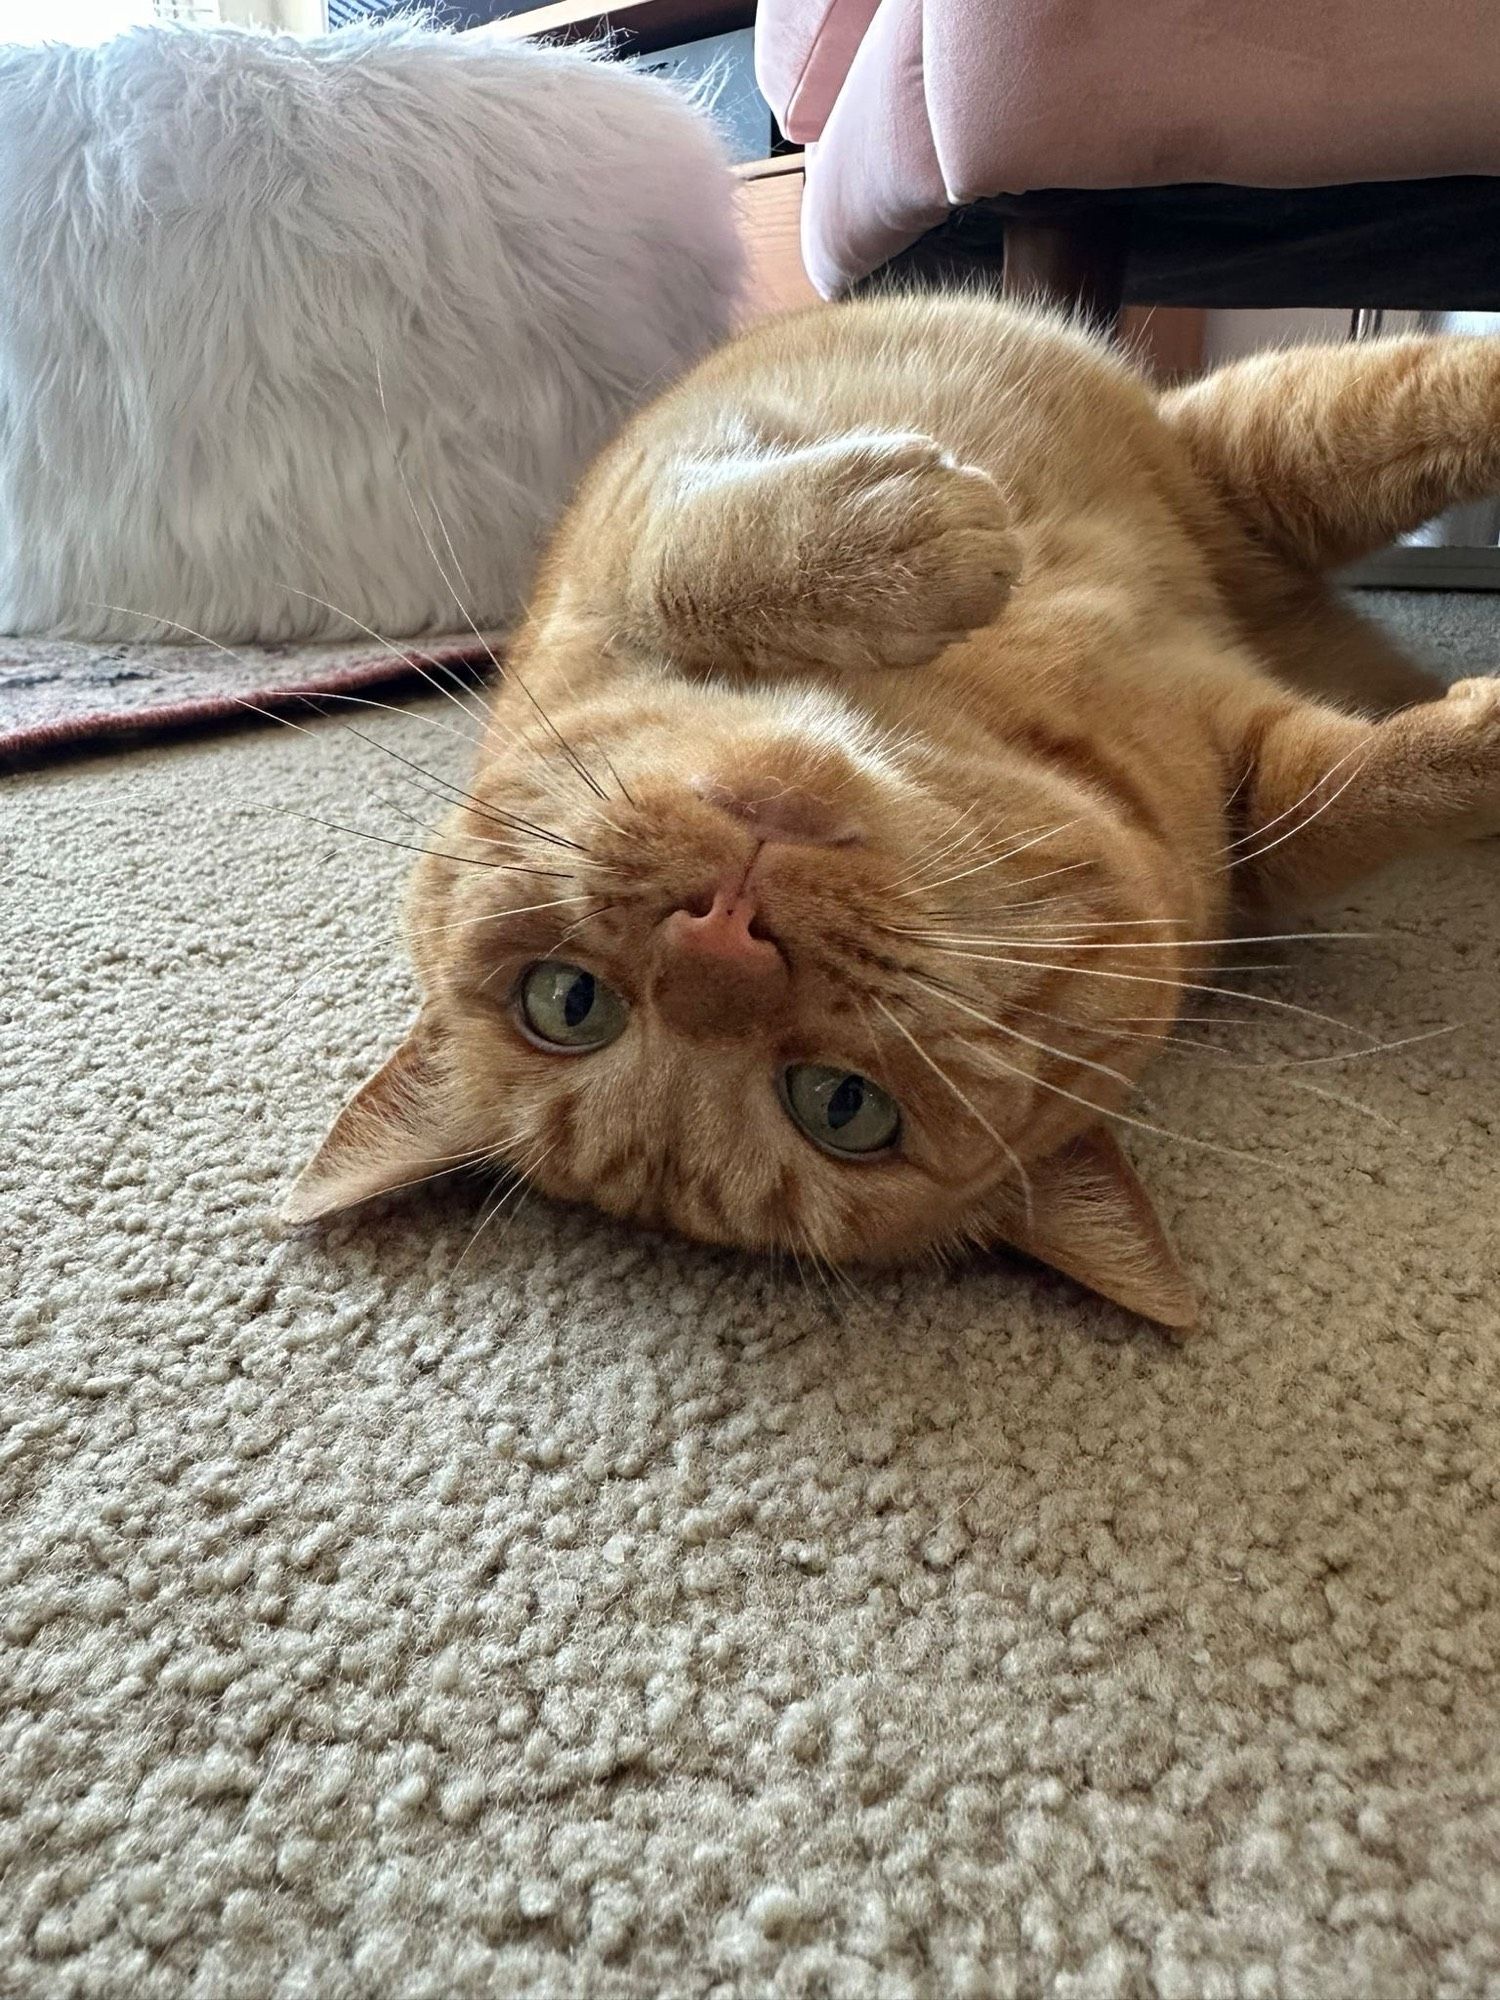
[342, 316]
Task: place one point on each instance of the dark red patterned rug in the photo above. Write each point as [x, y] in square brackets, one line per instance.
[64, 698]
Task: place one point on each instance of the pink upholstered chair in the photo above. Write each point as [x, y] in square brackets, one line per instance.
[1257, 152]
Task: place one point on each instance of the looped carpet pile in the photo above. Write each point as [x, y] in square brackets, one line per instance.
[390, 1616]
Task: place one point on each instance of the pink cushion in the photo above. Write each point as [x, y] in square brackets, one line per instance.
[946, 101]
[803, 49]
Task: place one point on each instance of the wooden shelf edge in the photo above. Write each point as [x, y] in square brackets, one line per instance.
[761, 170]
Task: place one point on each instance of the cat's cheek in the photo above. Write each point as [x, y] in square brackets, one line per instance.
[883, 1214]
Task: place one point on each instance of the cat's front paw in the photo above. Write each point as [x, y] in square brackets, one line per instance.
[1474, 706]
[775, 556]
[940, 534]
[1482, 694]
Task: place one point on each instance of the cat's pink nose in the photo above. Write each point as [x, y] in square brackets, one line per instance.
[713, 975]
[723, 933]
[773, 811]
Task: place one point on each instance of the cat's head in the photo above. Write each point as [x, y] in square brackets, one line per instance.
[738, 964]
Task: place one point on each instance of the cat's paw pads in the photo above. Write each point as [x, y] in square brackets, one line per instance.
[942, 536]
[1481, 694]
[1474, 706]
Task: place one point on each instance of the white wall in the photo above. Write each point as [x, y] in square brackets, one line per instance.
[1229, 335]
[299, 17]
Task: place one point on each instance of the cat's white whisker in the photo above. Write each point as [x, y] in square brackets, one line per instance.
[1377, 1049]
[451, 795]
[1157, 923]
[1181, 1045]
[495, 972]
[1047, 874]
[389, 708]
[528, 909]
[1125, 1025]
[978, 1116]
[1177, 985]
[410, 653]
[497, 815]
[312, 700]
[443, 1164]
[480, 839]
[603, 819]
[516, 830]
[1086, 943]
[1031, 1041]
[820, 1253]
[1256, 833]
[797, 1262]
[993, 861]
[398, 462]
[497, 917]
[820, 1269]
[1139, 1124]
[1348, 1103]
[1259, 853]
[362, 833]
[944, 844]
[508, 672]
[519, 1185]
[587, 917]
[417, 657]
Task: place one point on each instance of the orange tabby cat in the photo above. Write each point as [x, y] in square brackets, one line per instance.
[856, 809]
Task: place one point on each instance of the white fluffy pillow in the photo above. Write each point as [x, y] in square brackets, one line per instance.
[218, 248]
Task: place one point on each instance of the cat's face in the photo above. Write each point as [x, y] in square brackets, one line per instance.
[737, 965]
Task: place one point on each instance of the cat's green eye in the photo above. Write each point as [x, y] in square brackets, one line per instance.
[840, 1110]
[568, 1008]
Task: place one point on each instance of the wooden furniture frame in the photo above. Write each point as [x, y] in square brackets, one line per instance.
[1078, 265]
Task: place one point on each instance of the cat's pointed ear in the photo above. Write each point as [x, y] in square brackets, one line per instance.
[399, 1128]
[1090, 1218]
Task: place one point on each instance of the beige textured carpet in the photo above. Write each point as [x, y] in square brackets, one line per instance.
[592, 1615]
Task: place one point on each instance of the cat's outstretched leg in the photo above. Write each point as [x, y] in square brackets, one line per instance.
[1329, 453]
[1332, 798]
[874, 550]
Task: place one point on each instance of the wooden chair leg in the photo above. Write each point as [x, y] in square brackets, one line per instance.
[1078, 263]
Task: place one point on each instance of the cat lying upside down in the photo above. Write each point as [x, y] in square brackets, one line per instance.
[856, 809]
